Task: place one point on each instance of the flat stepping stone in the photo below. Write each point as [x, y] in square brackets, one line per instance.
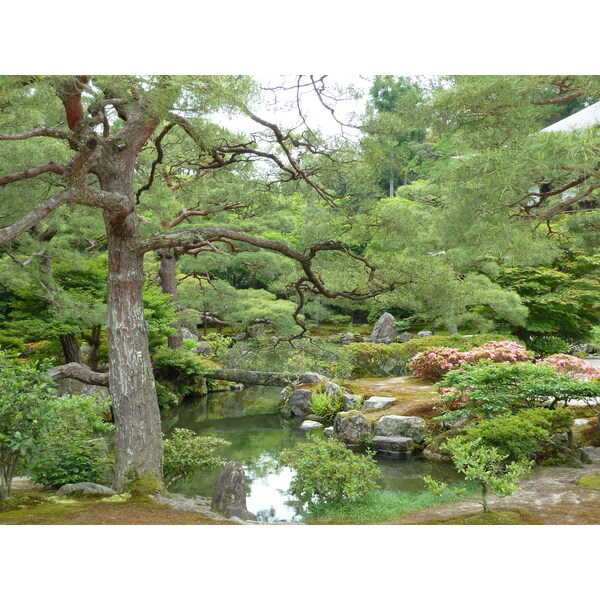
[392, 445]
[579, 422]
[378, 402]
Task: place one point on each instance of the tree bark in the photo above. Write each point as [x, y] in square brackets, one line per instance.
[94, 341]
[138, 436]
[70, 348]
[168, 282]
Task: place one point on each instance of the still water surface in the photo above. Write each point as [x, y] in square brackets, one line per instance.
[258, 434]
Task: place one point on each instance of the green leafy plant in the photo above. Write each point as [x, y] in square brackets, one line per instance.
[369, 358]
[25, 413]
[186, 453]
[487, 467]
[522, 435]
[434, 486]
[219, 343]
[72, 449]
[325, 406]
[547, 345]
[327, 470]
[69, 456]
[487, 390]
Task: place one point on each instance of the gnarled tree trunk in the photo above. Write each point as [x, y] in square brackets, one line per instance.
[138, 436]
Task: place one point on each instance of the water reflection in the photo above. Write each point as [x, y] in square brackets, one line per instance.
[258, 434]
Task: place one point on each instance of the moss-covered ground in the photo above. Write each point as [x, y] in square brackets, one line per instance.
[43, 508]
[414, 396]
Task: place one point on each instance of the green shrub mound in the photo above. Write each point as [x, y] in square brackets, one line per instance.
[487, 390]
[73, 450]
[186, 453]
[326, 470]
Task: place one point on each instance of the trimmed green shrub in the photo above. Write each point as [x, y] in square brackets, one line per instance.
[186, 453]
[521, 436]
[69, 456]
[547, 345]
[73, 451]
[327, 470]
[370, 359]
[487, 390]
[340, 319]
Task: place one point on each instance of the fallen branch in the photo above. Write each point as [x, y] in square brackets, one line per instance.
[79, 372]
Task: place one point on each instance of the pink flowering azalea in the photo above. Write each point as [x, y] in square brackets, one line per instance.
[565, 363]
[434, 364]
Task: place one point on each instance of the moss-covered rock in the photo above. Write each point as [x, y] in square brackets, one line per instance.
[434, 450]
[144, 485]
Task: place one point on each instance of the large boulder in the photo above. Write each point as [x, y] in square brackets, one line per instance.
[229, 493]
[299, 402]
[352, 427]
[405, 337]
[385, 330]
[73, 387]
[402, 426]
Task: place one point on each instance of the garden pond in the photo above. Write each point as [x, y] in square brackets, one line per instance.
[258, 433]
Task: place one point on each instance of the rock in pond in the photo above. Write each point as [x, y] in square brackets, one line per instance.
[378, 402]
[229, 493]
[309, 425]
[351, 427]
[384, 330]
[85, 488]
[299, 402]
[398, 425]
[396, 446]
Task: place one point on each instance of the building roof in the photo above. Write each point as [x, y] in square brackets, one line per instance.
[583, 119]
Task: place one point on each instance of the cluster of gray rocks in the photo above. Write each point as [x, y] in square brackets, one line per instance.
[394, 435]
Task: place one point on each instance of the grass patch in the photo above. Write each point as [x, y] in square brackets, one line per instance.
[381, 506]
[590, 481]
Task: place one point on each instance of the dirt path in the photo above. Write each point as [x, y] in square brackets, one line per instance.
[549, 496]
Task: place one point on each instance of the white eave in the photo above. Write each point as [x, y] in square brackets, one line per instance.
[583, 119]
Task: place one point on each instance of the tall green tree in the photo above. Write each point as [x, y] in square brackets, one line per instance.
[98, 142]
